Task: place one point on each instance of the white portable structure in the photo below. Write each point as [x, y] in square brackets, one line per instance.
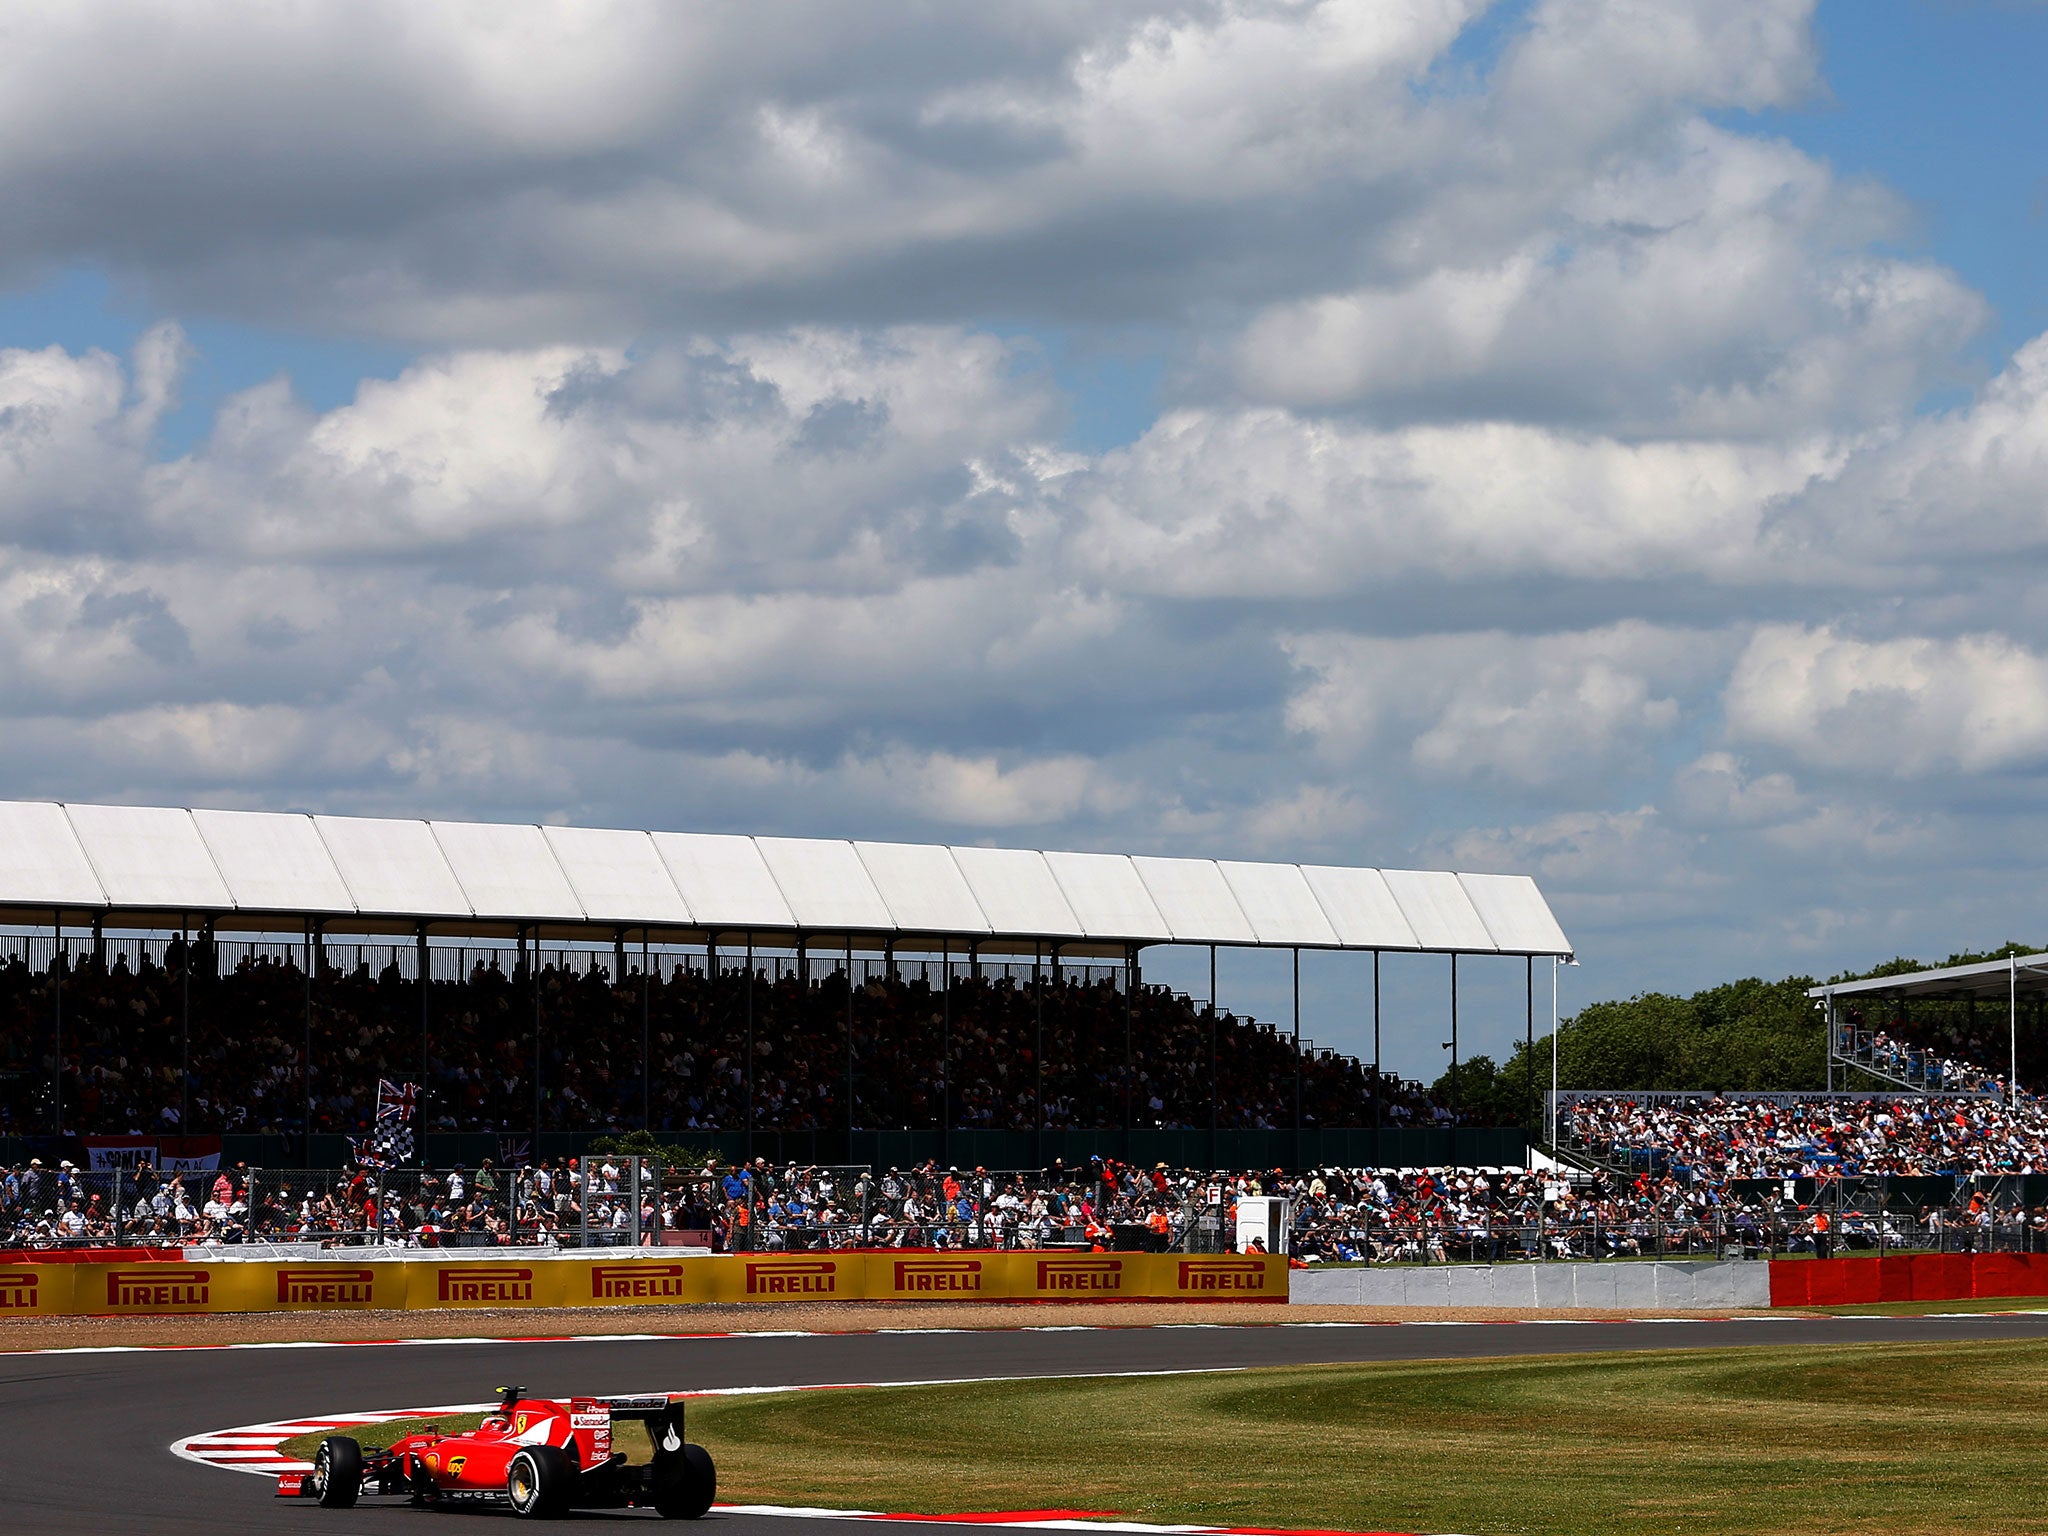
[1267, 1218]
[144, 867]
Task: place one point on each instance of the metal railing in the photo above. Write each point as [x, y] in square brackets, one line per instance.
[1722, 1236]
[1877, 1053]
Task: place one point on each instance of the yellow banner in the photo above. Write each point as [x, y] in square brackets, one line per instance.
[153, 1289]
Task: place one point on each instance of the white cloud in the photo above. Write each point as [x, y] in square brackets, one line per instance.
[1262, 503]
[1905, 708]
[1538, 709]
[1718, 789]
[1725, 291]
[540, 169]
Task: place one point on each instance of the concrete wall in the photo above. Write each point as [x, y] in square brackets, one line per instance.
[1707, 1286]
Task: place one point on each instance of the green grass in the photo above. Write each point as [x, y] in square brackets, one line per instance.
[1894, 1439]
[1908, 1438]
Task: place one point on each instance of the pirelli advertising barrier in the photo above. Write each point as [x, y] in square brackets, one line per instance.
[143, 1289]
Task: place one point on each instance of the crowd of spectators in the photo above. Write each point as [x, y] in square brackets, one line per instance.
[1721, 1137]
[130, 1065]
[1919, 1065]
[1339, 1215]
[598, 1201]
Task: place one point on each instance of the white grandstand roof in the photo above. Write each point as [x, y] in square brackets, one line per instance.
[2025, 975]
[257, 870]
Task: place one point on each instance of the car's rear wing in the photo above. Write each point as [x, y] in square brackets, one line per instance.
[646, 1409]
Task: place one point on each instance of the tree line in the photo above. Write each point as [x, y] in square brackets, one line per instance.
[1752, 1034]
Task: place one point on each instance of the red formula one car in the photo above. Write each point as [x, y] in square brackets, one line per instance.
[541, 1457]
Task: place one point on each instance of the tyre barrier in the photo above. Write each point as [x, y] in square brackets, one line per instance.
[158, 1289]
[1907, 1277]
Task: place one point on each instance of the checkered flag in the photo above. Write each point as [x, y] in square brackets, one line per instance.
[391, 1143]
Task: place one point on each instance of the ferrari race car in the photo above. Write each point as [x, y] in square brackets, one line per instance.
[541, 1457]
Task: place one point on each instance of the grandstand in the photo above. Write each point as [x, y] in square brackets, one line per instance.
[177, 972]
[1918, 1097]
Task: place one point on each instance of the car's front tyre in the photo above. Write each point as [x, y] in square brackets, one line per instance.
[337, 1472]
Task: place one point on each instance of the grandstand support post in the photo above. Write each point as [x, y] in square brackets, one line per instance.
[1130, 1018]
[849, 1047]
[426, 983]
[750, 1050]
[1529, 1038]
[2012, 1024]
[185, 1033]
[1378, 1077]
[57, 1022]
[533, 980]
[1829, 1026]
[1457, 1098]
[1297, 1057]
[1037, 1057]
[1212, 1056]
[646, 1051]
[945, 1046]
[1552, 1114]
[306, 1060]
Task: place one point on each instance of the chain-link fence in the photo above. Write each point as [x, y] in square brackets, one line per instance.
[1381, 1218]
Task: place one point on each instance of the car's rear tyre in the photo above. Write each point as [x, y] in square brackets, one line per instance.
[687, 1485]
[540, 1481]
[337, 1472]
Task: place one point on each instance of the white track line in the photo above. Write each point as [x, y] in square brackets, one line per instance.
[238, 1449]
[799, 1333]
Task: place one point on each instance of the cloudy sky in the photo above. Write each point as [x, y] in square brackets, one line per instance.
[1606, 439]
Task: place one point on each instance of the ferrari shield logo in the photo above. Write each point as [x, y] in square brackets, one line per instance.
[519, 1425]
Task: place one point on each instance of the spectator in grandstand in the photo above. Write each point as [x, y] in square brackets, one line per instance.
[124, 1052]
[1784, 1136]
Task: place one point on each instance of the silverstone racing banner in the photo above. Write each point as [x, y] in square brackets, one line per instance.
[147, 1289]
[172, 1154]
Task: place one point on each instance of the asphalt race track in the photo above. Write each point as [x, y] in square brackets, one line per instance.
[84, 1438]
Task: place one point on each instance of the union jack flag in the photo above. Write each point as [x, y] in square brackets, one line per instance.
[391, 1142]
